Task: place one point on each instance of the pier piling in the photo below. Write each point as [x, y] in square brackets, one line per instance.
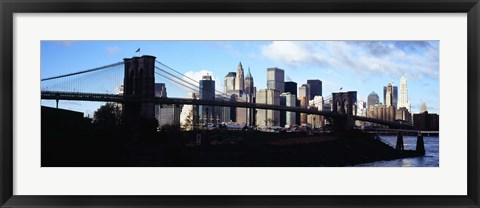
[399, 145]
[420, 144]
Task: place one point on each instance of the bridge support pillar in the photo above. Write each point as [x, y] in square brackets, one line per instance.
[344, 103]
[399, 145]
[420, 144]
[138, 116]
[177, 110]
[343, 123]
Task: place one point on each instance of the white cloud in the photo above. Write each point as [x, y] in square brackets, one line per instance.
[112, 50]
[416, 59]
[290, 52]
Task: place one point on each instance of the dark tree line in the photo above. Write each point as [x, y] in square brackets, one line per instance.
[108, 115]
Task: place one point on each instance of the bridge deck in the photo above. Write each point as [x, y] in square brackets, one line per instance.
[50, 95]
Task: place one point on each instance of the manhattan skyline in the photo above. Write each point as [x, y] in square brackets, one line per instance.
[362, 66]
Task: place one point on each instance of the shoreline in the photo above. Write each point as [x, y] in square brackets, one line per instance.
[227, 149]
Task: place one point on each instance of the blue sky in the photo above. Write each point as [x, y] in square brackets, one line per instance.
[362, 66]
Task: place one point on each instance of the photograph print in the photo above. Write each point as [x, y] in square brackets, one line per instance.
[240, 103]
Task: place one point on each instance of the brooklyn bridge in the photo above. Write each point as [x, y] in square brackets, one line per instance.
[138, 99]
[133, 143]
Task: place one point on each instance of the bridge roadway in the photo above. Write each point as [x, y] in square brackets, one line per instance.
[99, 97]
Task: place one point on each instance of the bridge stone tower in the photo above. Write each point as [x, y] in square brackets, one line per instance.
[139, 84]
[344, 103]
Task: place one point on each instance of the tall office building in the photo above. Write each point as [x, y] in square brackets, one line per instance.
[315, 87]
[250, 96]
[160, 90]
[372, 99]
[404, 95]
[403, 114]
[423, 107]
[426, 121]
[276, 79]
[240, 80]
[389, 95]
[287, 118]
[268, 118]
[319, 103]
[291, 87]
[229, 89]
[382, 112]
[166, 114]
[207, 92]
[303, 104]
[229, 82]
[249, 84]
[394, 95]
[239, 89]
[304, 91]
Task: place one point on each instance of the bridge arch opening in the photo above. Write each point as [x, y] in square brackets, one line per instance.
[338, 106]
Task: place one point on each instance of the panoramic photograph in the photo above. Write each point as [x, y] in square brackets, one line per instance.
[240, 103]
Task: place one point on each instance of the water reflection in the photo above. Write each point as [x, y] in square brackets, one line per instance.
[431, 158]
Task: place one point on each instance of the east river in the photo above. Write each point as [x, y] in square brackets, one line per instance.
[431, 158]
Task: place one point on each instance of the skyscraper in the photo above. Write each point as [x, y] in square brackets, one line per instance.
[423, 107]
[268, 117]
[304, 91]
[315, 86]
[316, 120]
[229, 89]
[372, 99]
[249, 84]
[404, 94]
[229, 82]
[166, 114]
[291, 87]
[403, 114]
[287, 118]
[389, 95]
[239, 80]
[276, 79]
[250, 96]
[303, 104]
[382, 112]
[207, 92]
[160, 90]
[394, 100]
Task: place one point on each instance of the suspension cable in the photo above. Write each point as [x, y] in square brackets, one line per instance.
[222, 93]
[85, 71]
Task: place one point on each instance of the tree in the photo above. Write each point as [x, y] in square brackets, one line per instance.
[188, 124]
[109, 114]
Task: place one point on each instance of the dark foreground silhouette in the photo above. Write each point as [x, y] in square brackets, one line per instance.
[88, 145]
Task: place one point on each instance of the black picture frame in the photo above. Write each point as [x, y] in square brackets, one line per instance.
[9, 7]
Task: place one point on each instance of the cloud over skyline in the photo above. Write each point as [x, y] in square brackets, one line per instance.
[112, 50]
[197, 75]
[418, 59]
